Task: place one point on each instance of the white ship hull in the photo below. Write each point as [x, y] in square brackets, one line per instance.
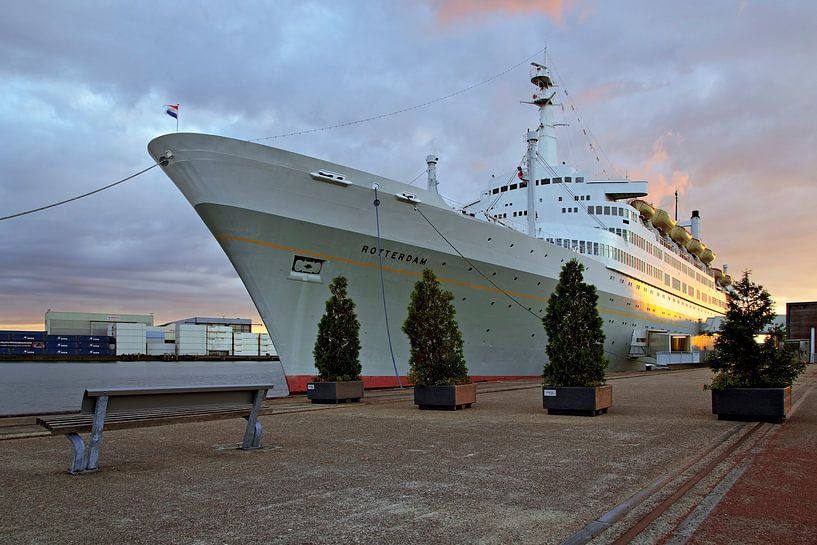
[288, 234]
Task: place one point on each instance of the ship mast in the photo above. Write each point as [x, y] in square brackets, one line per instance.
[542, 141]
[543, 98]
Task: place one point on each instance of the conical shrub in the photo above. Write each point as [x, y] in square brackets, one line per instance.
[575, 347]
[337, 348]
[436, 342]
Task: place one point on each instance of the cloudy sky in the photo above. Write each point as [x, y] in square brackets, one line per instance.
[716, 99]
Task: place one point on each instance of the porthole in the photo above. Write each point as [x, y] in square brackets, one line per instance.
[533, 334]
[487, 331]
[443, 263]
[538, 283]
[493, 274]
[470, 269]
[489, 239]
[463, 298]
[515, 277]
[511, 244]
[531, 251]
[509, 306]
[492, 302]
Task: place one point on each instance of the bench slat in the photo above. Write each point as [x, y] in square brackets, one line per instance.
[57, 421]
[150, 421]
[157, 410]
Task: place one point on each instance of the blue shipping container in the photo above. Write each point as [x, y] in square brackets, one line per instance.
[95, 346]
[104, 339]
[61, 338]
[95, 352]
[27, 336]
[64, 346]
[27, 351]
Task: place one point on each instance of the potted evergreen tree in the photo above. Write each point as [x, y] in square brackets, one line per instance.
[437, 364]
[752, 380]
[337, 350]
[573, 378]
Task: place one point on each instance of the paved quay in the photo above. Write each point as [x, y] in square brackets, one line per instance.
[380, 472]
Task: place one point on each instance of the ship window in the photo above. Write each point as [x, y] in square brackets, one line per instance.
[576, 198]
[546, 181]
[557, 180]
[523, 184]
[495, 191]
[514, 214]
[576, 209]
[504, 188]
[512, 187]
[563, 210]
[589, 209]
[568, 179]
[606, 210]
[595, 248]
[579, 179]
[626, 221]
[559, 241]
[587, 197]
[525, 212]
[560, 199]
[581, 246]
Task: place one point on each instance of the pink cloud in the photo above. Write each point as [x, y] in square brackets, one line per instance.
[663, 182]
[449, 11]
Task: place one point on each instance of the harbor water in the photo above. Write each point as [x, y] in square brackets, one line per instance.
[39, 387]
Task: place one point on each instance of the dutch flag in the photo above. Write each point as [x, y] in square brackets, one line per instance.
[172, 110]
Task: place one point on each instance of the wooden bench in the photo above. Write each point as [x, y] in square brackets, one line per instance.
[124, 408]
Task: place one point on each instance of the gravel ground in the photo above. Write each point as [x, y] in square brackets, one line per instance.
[379, 472]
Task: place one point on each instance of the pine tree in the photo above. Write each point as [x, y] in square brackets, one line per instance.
[436, 342]
[738, 359]
[337, 347]
[575, 346]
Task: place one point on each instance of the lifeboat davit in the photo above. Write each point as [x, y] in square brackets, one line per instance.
[663, 221]
[708, 256]
[680, 235]
[695, 247]
[644, 208]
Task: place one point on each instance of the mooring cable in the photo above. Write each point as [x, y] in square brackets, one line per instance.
[17, 215]
[505, 293]
[376, 204]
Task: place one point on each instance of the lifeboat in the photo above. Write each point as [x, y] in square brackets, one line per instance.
[663, 221]
[644, 208]
[719, 276]
[727, 280]
[680, 235]
[708, 256]
[695, 247]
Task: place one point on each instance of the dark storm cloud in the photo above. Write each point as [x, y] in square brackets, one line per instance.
[716, 98]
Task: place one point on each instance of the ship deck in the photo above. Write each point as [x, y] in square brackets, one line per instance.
[659, 467]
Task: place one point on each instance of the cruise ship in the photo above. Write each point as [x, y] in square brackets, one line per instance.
[290, 223]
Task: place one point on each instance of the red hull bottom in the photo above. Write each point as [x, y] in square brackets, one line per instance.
[297, 383]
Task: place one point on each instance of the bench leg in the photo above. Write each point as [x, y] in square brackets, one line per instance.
[78, 463]
[252, 435]
[95, 440]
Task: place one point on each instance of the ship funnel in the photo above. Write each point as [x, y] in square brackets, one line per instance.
[431, 161]
[696, 224]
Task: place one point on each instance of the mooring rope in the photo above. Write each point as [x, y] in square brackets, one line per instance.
[376, 204]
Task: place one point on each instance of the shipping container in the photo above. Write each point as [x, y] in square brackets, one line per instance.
[61, 338]
[84, 345]
[26, 351]
[49, 345]
[27, 336]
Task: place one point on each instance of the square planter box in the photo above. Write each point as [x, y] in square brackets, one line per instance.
[446, 397]
[335, 392]
[578, 400]
[752, 404]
